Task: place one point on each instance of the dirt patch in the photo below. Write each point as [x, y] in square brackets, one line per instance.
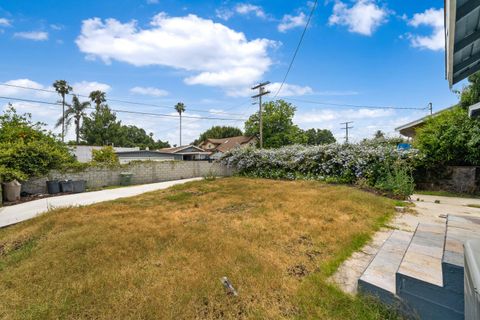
[298, 271]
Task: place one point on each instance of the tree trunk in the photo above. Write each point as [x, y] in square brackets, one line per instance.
[63, 117]
[77, 129]
[180, 129]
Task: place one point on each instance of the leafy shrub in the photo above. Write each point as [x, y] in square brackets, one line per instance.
[8, 174]
[26, 149]
[397, 181]
[105, 155]
[331, 163]
[450, 138]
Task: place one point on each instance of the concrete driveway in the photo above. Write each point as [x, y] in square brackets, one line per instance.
[28, 210]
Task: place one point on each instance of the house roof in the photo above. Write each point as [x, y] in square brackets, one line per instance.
[225, 144]
[462, 39]
[142, 152]
[408, 129]
[183, 150]
[474, 110]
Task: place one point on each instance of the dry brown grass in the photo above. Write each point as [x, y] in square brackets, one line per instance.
[161, 255]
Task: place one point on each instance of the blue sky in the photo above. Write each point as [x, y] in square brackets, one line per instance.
[209, 53]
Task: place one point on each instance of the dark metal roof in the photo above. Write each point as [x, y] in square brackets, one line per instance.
[462, 34]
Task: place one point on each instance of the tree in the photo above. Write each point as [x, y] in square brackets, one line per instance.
[449, 138]
[98, 97]
[75, 111]
[105, 155]
[319, 136]
[180, 108]
[278, 127]
[62, 88]
[27, 149]
[471, 93]
[218, 132]
[132, 136]
[101, 127]
[379, 134]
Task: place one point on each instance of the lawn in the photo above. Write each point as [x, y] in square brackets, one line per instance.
[161, 255]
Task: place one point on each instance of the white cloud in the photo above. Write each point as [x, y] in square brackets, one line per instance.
[224, 14]
[85, 87]
[56, 27]
[322, 115]
[149, 91]
[153, 1]
[431, 18]
[337, 93]
[19, 86]
[32, 35]
[289, 22]
[247, 8]
[289, 90]
[364, 17]
[4, 22]
[214, 53]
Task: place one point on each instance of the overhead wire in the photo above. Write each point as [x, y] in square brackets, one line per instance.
[119, 100]
[314, 6]
[124, 111]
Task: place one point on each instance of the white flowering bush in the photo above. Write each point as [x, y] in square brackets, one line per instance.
[349, 163]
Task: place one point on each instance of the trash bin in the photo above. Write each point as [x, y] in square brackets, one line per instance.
[53, 186]
[66, 186]
[79, 186]
[125, 178]
[11, 190]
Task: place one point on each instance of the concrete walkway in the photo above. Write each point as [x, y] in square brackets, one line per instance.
[28, 210]
[426, 211]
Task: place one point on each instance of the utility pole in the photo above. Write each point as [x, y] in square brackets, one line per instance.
[430, 107]
[346, 129]
[261, 93]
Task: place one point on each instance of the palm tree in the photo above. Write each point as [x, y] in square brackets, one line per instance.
[98, 97]
[180, 108]
[62, 88]
[77, 112]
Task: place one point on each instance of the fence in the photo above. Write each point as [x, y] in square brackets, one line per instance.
[143, 172]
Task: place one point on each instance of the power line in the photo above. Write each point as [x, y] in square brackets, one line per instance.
[119, 100]
[126, 111]
[298, 47]
[351, 105]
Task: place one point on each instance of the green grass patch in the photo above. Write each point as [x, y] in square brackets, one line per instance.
[446, 194]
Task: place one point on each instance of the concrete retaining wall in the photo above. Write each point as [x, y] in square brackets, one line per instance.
[143, 172]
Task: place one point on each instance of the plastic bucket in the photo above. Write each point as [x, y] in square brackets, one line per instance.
[53, 187]
[66, 186]
[79, 186]
[11, 190]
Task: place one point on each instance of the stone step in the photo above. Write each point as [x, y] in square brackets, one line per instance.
[379, 277]
[459, 230]
[423, 258]
[419, 278]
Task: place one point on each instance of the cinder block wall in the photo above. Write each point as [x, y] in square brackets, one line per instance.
[143, 172]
